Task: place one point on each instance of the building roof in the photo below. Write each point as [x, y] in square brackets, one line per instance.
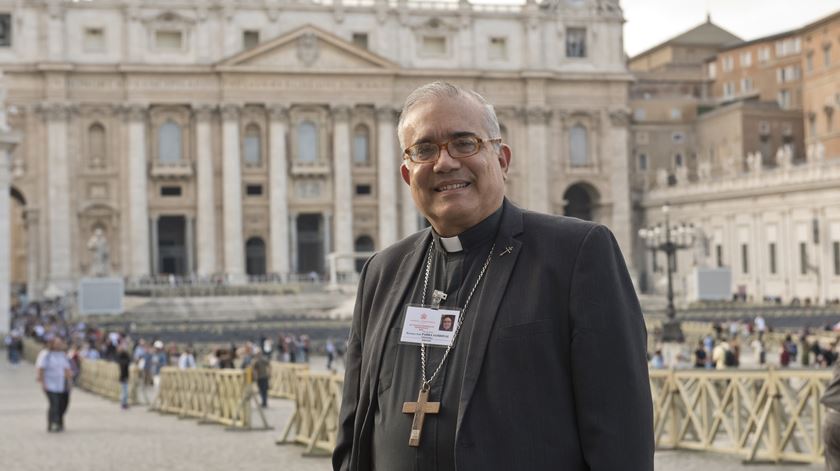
[705, 34]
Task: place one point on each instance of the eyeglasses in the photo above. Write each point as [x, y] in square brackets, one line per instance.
[458, 148]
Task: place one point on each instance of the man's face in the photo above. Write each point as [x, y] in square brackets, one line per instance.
[447, 323]
[454, 194]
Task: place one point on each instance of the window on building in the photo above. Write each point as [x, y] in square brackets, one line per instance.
[836, 249]
[253, 145]
[5, 30]
[784, 99]
[676, 114]
[361, 145]
[643, 162]
[498, 48]
[169, 143]
[576, 42]
[250, 38]
[362, 244]
[434, 45]
[360, 40]
[94, 40]
[678, 160]
[745, 264]
[307, 142]
[746, 85]
[578, 148]
[253, 190]
[812, 125]
[169, 40]
[363, 190]
[828, 119]
[764, 54]
[728, 63]
[719, 255]
[170, 191]
[788, 46]
[678, 137]
[827, 56]
[809, 61]
[772, 258]
[255, 256]
[803, 258]
[728, 90]
[746, 59]
[96, 146]
[712, 70]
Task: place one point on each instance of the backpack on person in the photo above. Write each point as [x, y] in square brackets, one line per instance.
[729, 358]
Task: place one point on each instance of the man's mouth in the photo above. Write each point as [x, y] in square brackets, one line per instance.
[452, 186]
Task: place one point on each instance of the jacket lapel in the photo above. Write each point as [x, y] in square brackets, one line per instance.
[498, 274]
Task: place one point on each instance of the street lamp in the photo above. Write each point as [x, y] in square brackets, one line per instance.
[669, 239]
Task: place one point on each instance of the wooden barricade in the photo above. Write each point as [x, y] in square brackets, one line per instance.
[103, 379]
[315, 420]
[212, 395]
[31, 348]
[282, 381]
[760, 415]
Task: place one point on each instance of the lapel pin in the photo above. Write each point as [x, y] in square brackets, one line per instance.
[507, 250]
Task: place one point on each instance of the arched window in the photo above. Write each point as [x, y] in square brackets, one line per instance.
[253, 145]
[169, 143]
[307, 142]
[96, 146]
[255, 256]
[361, 140]
[363, 244]
[578, 148]
[678, 160]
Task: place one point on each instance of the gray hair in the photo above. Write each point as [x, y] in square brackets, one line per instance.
[440, 90]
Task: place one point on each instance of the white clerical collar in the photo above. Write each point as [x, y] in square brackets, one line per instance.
[451, 244]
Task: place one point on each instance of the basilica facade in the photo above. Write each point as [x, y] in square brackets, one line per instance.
[246, 138]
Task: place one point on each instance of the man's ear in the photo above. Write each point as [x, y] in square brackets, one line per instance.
[406, 174]
[504, 159]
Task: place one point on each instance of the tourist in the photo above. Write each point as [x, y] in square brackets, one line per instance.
[700, 359]
[123, 359]
[187, 359]
[262, 372]
[55, 375]
[330, 349]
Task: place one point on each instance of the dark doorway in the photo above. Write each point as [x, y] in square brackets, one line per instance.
[172, 247]
[310, 240]
[363, 244]
[255, 256]
[580, 202]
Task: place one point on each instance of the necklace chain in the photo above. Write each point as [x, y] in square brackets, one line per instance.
[428, 382]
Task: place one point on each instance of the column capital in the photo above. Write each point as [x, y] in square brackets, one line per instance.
[135, 111]
[56, 111]
[231, 111]
[340, 113]
[203, 111]
[620, 118]
[537, 115]
[278, 112]
[386, 113]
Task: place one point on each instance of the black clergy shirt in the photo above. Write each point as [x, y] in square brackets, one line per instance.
[454, 273]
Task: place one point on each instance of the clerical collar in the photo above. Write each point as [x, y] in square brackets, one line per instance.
[472, 237]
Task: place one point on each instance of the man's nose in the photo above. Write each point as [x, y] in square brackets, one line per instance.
[446, 162]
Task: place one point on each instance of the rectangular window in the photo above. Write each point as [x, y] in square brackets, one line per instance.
[809, 61]
[764, 54]
[719, 255]
[498, 48]
[746, 59]
[712, 70]
[746, 85]
[5, 30]
[745, 263]
[363, 189]
[827, 56]
[94, 40]
[250, 39]
[836, 249]
[253, 190]
[643, 162]
[728, 90]
[576, 42]
[784, 99]
[170, 191]
[772, 260]
[434, 45]
[169, 40]
[803, 258]
[728, 64]
[360, 40]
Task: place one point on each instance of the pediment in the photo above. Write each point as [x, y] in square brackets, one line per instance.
[307, 48]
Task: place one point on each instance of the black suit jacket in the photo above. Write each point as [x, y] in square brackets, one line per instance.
[556, 376]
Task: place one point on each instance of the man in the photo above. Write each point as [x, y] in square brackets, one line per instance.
[262, 374]
[123, 360]
[55, 375]
[546, 368]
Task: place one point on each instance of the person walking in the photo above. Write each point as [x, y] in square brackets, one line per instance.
[187, 359]
[55, 375]
[123, 359]
[262, 372]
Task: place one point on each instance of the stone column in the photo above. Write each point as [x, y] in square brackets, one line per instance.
[387, 175]
[278, 190]
[8, 141]
[206, 198]
[538, 197]
[232, 195]
[343, 180]
[33, 249]
[409, 214]
[138, 204]
[190, 245]
[155, 254]
[58, 197]
[293, 241]
[617, 149]
[55, 31]
[326, 226]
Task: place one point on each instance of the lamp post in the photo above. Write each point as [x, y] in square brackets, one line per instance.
[669, 239]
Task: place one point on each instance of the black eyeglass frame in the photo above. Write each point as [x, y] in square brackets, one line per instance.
[445, 145]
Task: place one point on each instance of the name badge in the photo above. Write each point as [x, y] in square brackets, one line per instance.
[430, 326]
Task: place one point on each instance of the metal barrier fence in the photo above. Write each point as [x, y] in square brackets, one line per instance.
[759, 415]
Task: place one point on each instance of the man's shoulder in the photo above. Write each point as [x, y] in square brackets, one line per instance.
[397, 250]
[564, 228]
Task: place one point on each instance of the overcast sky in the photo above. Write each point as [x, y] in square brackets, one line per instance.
[651, 22]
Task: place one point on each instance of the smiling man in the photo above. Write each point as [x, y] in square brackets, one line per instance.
[545, 368]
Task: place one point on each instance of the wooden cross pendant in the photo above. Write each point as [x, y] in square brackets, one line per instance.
[419, 409]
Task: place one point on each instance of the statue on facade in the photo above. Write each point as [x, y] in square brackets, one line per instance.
[682, 175]
[704, 170]
[819, 153]
[4, 124]
[98, 247]
[781, 158]
[661, 178]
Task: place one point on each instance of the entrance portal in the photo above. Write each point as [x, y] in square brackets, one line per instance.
[172, 246]
[310, 241]
[580, 200]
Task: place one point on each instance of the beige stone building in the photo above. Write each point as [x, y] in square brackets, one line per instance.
[243, 138]
[821, 86]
